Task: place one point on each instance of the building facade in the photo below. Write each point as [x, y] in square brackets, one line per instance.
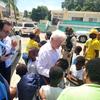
[76, 15]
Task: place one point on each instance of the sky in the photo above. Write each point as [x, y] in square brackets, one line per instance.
[29, 4]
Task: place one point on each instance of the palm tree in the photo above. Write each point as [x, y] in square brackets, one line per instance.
[12, 4]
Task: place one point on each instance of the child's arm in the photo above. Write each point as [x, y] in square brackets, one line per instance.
[73, 79]
[42, 94]
[84, 50]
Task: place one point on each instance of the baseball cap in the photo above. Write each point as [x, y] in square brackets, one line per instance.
[93, 31]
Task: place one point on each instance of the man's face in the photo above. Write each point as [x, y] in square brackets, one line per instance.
[5, 31]
[56, 42]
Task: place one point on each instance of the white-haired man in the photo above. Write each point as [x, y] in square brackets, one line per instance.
[48, 55]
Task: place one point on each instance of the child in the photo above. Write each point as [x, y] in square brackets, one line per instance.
[76, 70]
[63, 63]
[52, 91]
[76, 53]
[31, 66]
[28, 84]
[31, 43]
[21, 69]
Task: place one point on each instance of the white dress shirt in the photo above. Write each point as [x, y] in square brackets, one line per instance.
[47, 58]
[8, 46]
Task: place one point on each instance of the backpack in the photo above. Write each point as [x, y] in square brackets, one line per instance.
[4, 89]
[27, 86]
[69, 44]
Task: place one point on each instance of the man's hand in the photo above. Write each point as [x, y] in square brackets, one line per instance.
[3, 58]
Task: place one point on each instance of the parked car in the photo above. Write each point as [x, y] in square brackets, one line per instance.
[24, 27]
[82, 36]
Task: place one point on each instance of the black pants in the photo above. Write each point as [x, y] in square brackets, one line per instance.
[5, 72]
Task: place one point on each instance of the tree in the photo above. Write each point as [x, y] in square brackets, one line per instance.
[85, 5]
[92, 5]
[78, 8]
[40, 13]
[49, 15]
[12, 4]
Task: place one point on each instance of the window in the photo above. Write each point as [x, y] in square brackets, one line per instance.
[28, 25]
[77, 18]
[92, 19]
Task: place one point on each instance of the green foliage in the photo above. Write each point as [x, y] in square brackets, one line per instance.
[78, 8]
[40, 13]
[83, 5]
[13, 4]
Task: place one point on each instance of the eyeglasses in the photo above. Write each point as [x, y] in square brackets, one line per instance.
[5, 31]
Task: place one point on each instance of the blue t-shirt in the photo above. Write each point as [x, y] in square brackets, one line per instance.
[3, 92]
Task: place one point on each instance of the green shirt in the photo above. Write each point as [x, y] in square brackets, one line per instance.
[84, 92]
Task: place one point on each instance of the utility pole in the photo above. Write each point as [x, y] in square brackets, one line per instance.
[14, 8]
[9, 8]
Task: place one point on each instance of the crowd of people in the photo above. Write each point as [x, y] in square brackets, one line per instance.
[54, 69]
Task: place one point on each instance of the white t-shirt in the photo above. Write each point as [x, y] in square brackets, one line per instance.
[51, 93]
[31, 66]
[77, 73]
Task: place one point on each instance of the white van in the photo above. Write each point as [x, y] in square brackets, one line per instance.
[25, 27]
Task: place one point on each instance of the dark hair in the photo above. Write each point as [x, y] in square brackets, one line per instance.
[80, 60]
[32, 36]
[78, 49]
[62, 63]
[48, 34]
[69, 31]
[4, 22]
[21, 69]
[42, 42]
[33, 53]
[55, 74]
[93, 70]
[69, 44]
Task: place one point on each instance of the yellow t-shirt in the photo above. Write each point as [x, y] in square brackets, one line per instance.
[92, 45]
[31, 43]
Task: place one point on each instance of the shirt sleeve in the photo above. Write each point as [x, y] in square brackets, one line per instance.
[96, 45]
[8, 45]
[42, 64]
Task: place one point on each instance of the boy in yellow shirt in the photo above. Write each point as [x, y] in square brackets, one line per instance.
[91, 47]
[31, 43]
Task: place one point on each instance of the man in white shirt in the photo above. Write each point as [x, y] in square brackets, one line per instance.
[48, 55]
